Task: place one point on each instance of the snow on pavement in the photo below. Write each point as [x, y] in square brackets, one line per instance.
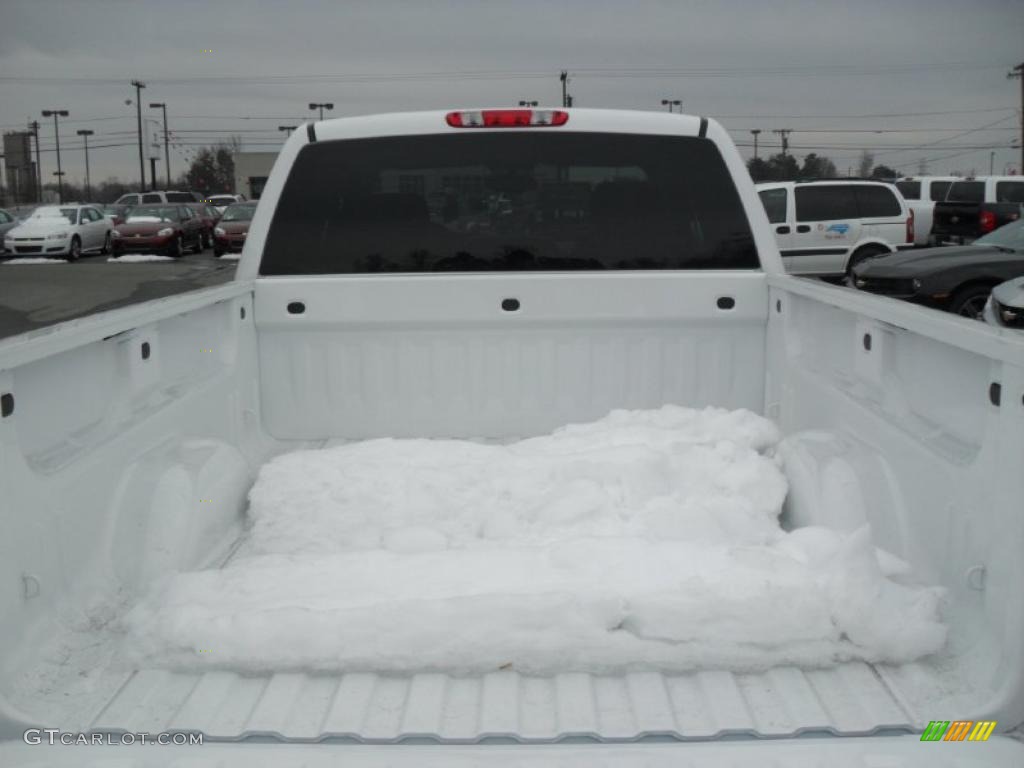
[133, 258]
[35, 261]
[648, 539]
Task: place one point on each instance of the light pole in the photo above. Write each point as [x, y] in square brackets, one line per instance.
[755, 131]
[528, 103]
[139, 85]
[670, 103]
[57, 113]
[85, 134]
[167, 152]
[38, 182]
[321, 107]
[991, 163]
[287, 129]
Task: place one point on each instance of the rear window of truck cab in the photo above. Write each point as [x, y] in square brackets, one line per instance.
[515, 201]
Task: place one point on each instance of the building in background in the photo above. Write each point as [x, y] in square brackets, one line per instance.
[251, 172]
[20, 170]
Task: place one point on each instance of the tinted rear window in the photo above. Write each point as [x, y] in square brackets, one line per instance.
[180, 197]
[938, 190]
[774, 201]
[911, 190]
[874, 202]
[967, 192]
[508, 202]
[1010, 191]
[825, 202]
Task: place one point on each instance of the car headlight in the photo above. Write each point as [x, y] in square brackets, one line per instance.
[115, 233]
[58, 236]
[219, 231]
[166, 231]
[915, 284]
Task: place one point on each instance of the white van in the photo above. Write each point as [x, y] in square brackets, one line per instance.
[826, 227]
[143, 198]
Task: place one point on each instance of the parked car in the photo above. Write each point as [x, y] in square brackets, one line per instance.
[116, 213]
[921, 194]
[230, 233]
[60, 230]
[167, 229]
[209, 215]
[144, 198]
[7, 223]
[957, 279]
[221, 202]
[827, 227]
[1005, 305]
[975, 207]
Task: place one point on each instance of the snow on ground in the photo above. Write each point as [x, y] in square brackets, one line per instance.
[35, 261]
[231, 256]
[648, 539]
[130, 258]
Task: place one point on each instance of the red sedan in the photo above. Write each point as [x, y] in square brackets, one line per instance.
[230, 233]
[167, 229]
[209, 216]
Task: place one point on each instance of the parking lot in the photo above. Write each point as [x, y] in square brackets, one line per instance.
[34, 296]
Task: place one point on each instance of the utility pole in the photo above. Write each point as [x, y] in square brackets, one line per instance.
[85, 134]
[139, 85]
[1018, 72]
[321, 107]
[34, 127]
[167, 152]
[755, 131]
[670, 103]
[57, 113]
[564, 77]
[991, 163]
[784, 133]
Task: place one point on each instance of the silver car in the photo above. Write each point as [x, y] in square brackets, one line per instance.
[1005, 306]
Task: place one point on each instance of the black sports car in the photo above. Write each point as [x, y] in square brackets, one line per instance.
[957, 279]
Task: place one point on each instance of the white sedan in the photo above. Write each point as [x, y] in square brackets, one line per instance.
[60, 230]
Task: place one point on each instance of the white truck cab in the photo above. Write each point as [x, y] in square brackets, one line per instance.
[826, 227]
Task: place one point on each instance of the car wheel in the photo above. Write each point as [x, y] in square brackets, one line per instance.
[970, 301]
[863, 254]
[75, 249]
[177, 248]
[106, 245]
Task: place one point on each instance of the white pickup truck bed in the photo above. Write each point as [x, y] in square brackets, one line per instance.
[919, 415]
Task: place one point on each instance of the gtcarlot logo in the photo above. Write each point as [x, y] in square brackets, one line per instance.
[68, 738]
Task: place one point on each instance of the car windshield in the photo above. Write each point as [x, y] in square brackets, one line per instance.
[153, 214]
[1008, 236]
[239, 213]
[70, 214]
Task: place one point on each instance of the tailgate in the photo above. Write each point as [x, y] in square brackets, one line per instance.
[894, 752]
[956, 219]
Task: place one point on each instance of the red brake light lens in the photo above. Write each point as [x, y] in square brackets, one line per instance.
[507, 118]
[910, 228]
[988, 221]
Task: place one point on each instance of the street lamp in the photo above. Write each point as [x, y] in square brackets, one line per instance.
[139, 85]
[85, 134]
[287, 128]
[167, 152]
[321, 107]
[528, 103]
[756, 132]
[670, 103]
[57, 113]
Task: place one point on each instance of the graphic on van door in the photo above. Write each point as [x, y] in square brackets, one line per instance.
[835, 231]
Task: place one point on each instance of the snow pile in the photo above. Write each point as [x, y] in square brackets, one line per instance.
[132, 258]
[231, 256]
[35, 261]
[648, 539]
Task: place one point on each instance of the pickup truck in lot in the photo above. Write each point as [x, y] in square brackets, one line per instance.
[975, 207]
[491, 275]
[921, 194]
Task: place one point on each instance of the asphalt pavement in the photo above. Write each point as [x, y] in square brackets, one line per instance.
[34, 296]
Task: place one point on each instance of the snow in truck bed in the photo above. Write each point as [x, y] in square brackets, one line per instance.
[648, 539]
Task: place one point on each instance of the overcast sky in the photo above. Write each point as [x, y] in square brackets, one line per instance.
[815, 67]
